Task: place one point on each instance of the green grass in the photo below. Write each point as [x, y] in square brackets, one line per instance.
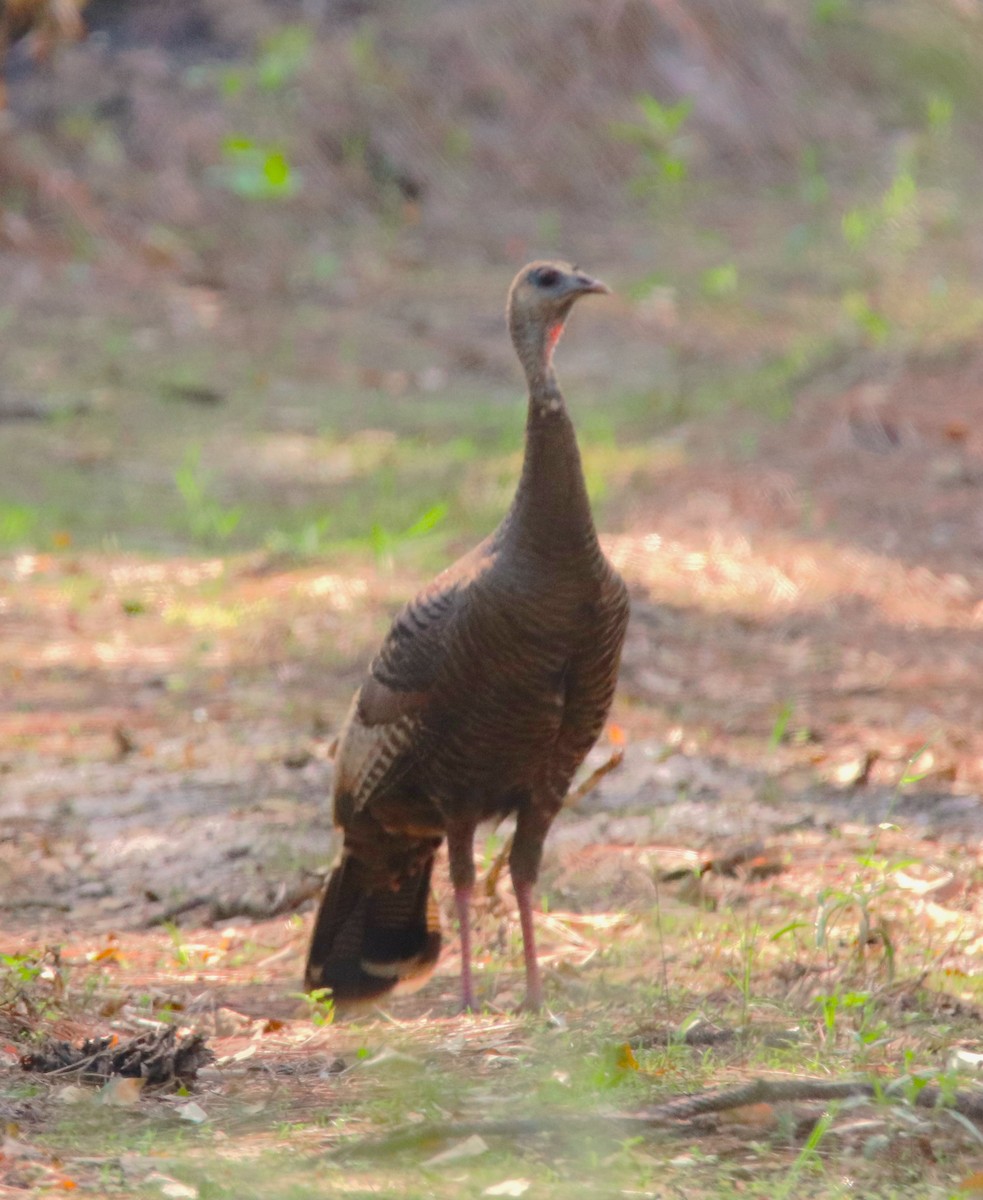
[368, 474]
[279, 1140]
[374, 479]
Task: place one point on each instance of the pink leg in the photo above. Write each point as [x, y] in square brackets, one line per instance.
[462, 900]
[460, 851]
[534, 984]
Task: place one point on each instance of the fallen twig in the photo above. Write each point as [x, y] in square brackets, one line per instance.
[17, 905]
[221, 908]
[783, 1091]
[665, 1116]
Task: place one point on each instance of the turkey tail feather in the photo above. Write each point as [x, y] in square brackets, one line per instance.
[369, 942]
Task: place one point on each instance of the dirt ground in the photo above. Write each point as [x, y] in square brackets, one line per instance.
[804, 626]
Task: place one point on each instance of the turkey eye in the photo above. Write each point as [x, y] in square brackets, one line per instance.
[547, 278]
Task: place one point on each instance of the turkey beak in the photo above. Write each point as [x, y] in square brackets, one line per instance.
[584, 285]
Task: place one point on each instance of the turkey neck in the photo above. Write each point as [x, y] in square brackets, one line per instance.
[550, 514]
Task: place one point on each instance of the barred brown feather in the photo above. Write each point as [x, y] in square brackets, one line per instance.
[489, 690]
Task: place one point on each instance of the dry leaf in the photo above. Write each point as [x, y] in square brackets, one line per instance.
[942, 888]
[508, 1187]
[173, 1187]
[942, 916]
[122, 1091]
[626, 1060]
[471, 1147]
[239, 1056]
[190, 1111]
[965, 1060]
[757, 1116]
[973, 1184]
[109, 953]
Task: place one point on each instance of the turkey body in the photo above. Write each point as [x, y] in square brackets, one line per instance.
[489, 690]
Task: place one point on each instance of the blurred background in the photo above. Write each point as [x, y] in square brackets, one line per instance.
[253, 259]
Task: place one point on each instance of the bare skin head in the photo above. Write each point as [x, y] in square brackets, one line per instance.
[540, 300]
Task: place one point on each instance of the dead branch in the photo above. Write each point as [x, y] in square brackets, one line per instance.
[221, 908]
[665, 1116]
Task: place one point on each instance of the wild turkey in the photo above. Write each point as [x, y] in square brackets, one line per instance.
[490, 688]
